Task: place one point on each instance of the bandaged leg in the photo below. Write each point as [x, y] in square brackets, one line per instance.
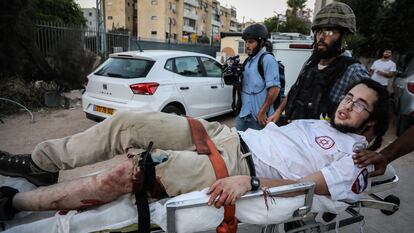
[79, 194]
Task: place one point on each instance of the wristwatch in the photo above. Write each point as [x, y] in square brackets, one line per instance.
[255, 183]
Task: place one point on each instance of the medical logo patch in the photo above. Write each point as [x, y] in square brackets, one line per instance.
[325, 142]
[361, 182]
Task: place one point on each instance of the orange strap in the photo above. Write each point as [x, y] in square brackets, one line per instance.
[204, 145]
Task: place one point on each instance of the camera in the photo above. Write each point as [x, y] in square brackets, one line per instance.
[233, 72]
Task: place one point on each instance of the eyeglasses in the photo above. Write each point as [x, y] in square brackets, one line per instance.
[356, 106]
[325, 31]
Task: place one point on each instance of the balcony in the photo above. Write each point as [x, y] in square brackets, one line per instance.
[189, 29]
[194, 3]
[233, 29]
[233, 19]
[190, 14]
[215, 23]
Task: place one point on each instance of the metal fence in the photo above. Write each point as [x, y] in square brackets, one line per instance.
[51, 36]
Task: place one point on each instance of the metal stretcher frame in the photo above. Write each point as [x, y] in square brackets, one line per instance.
[303, 213]
[300, 213]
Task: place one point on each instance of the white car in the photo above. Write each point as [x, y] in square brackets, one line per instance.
[183, 83]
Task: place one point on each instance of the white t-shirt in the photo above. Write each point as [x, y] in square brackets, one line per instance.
[307, 146]
[387, 66]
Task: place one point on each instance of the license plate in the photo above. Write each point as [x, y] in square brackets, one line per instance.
[105, 110]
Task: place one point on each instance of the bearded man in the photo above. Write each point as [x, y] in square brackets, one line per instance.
[327, 74]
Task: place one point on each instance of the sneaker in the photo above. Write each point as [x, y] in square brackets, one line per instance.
[23, 166]
[7, 211]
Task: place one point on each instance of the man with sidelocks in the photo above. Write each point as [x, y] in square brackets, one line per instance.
[304, 150]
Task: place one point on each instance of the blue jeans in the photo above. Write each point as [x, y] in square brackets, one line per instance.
[247, 122]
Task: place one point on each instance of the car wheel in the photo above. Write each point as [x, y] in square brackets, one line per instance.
[172, 109]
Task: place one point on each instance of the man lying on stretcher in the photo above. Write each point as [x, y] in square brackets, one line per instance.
[304, 150]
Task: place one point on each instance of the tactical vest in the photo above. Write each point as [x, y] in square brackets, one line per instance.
[309, 96]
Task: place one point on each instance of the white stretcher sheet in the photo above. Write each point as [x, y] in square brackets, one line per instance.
[122, 213]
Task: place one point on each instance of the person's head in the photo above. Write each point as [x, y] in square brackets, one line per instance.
[364, 107]
[387, 54]
[330, 27]
[255, 37]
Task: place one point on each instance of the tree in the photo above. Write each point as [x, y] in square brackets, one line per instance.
[382, 24]
[20, 55]
[294, 6]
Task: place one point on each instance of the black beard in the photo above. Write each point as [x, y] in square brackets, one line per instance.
[257, 48]
[349, 129]
[255, 51]
[332, 50]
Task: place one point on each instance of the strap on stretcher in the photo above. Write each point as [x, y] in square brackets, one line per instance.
[204, 145]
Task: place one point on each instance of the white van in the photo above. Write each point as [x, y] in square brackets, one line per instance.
[292, 54]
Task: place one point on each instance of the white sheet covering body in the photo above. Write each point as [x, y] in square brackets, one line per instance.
[307, 146]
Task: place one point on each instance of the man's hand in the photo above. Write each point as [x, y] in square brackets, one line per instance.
[366, 157]
[274, 117]
[227, 190]
[261, 118]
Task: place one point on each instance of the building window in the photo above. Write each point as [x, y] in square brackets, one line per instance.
[90, 13]
[153, 17]
[129, 18]
[110, 17]
[154, 2]
[153, 33]
[241, 47]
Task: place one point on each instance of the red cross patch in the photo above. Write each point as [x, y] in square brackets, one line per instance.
[325, 142]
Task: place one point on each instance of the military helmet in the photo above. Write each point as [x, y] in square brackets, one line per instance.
[255, 31]
[337, 15]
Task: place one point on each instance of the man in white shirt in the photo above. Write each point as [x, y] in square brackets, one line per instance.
[383, 70]
[305, 150]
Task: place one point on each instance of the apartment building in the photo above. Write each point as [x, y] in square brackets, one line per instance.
[176, 20]
[120, 14]
[91, 16]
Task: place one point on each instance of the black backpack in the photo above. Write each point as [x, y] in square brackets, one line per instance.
[260, 68]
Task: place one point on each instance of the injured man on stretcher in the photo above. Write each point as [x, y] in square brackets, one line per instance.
[304, 150]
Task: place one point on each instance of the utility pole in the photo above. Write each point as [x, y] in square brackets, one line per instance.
[169, 31]
[100, 8]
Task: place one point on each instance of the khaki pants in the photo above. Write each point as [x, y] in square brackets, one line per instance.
[184, 171]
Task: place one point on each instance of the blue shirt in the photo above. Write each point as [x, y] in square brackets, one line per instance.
[254, 90]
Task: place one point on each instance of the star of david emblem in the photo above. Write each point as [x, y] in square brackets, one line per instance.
[325, 142]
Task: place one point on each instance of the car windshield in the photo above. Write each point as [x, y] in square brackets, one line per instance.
[125, 68]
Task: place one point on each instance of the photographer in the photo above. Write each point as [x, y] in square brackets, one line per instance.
[258, 92]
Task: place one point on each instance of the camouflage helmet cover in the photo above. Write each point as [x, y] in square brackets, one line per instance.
[336, 14]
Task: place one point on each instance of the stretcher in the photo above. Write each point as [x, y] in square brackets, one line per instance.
[190, 213]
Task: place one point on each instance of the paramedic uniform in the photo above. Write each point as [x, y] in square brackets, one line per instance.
[307, 146]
